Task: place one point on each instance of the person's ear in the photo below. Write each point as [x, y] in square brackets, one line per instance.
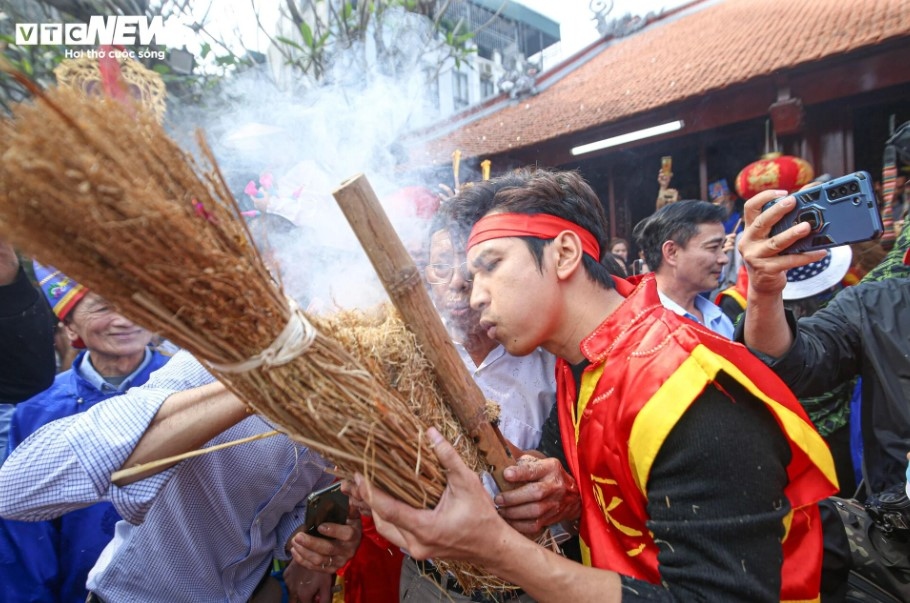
[670, 252]
[71, 333]
[568, 252]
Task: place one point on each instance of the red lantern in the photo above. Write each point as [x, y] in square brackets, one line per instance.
[774, 171]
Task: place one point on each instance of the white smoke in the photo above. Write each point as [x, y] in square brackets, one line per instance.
[298, 144]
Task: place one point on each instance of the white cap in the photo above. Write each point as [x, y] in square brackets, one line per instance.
[811, 279]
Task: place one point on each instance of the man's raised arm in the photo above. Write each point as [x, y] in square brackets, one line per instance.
[765, 328]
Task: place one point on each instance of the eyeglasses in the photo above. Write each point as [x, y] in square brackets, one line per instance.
[441, 274]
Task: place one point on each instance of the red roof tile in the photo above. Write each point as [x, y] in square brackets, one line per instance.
[682, 56]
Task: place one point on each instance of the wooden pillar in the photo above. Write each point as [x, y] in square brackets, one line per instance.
[702, 170]
[611, 201]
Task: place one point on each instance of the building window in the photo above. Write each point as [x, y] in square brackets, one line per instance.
[487, 89]
[460, 89]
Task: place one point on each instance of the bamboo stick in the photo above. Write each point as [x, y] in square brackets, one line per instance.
[403, 283]
[161, 464]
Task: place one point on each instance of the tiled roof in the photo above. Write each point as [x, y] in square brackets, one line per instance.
[707, 48]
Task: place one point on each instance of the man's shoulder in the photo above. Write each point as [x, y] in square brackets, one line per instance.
[63, 387]
[181, 371]
[898, 284]
[666, 330]
[873, 297]
[58, 401]
[158, 359]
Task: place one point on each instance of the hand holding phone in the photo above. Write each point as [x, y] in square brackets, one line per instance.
[329, 505]
[839, 212]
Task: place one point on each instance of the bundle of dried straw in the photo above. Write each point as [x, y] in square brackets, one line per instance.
[102, 193]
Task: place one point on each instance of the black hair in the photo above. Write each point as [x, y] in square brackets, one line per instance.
[564, 194]
[677, 222]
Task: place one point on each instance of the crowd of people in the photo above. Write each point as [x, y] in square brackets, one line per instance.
[675, 446]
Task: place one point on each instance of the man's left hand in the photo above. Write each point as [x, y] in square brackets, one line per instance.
[548, 495]
[306, 585]
[327, 555]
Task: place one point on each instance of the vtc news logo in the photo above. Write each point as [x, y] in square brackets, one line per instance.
[121, 30]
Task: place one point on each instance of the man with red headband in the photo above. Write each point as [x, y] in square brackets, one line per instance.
[698, 470]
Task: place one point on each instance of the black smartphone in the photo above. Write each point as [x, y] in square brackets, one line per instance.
[329, 505]
[841, 211]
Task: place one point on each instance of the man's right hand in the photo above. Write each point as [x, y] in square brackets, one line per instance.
[547, 495]
[9, 263]
[761, 251]
[663, 179]
[765, 328]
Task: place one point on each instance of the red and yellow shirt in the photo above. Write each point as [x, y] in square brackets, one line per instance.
[647, 366]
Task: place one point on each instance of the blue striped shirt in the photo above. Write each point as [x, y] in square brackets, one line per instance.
[203, 530]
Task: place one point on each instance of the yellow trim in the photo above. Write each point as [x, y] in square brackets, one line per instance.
[655, 420]
[585, 552]
[66, 299]
[788, 522]
[586, 389]
[735, 295]
[659, 415]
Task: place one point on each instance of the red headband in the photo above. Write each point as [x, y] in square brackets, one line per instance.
[541, 226]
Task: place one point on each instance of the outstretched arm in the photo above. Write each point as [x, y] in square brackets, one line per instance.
[185, 421]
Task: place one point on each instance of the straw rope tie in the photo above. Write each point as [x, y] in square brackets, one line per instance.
[295, 339]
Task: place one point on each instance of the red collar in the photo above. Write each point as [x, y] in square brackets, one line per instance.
[640, 300]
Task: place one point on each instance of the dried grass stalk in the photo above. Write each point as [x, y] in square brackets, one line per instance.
[107, 197]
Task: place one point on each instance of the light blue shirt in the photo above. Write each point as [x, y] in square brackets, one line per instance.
[714, 318]
[203, 531]
[88, 372]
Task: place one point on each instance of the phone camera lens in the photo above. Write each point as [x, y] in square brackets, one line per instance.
[854, 187]
[811, 218]
[841, 191]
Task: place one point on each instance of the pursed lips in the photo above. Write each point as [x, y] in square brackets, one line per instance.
[459, 309]
[489, 327]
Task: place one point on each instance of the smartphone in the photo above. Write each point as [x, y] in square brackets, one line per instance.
[329, 505]
[841, 211]
[638, 266]
[666, 164]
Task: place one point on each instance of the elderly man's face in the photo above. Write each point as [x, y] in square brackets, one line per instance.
[449, 283]
[104, 330]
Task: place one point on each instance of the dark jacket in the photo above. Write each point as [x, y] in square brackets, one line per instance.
[864, 331]
[27, 364]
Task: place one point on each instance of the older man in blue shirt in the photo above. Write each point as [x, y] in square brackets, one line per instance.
[50, 560]
[683, 244]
